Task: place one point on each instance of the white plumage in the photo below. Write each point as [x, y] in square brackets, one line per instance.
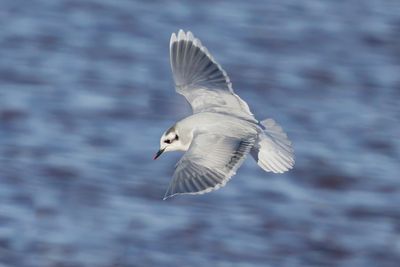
[221, 131]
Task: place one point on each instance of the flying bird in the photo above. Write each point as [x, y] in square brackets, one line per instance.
[222, 131]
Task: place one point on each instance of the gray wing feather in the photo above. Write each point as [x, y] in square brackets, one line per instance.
[200, 79]
[209, 164]
[193, 66]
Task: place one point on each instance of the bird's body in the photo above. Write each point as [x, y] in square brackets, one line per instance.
[221, 131]
[211, 122]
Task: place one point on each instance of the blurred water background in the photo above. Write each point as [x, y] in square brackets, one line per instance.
[86, 92]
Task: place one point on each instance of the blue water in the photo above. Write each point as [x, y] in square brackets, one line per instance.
[86, 92]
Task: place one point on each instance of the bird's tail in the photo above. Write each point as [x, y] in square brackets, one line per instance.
[273, 151]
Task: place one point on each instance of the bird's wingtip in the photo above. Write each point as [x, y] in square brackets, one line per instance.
[181, 35]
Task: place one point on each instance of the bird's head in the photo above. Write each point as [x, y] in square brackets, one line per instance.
[170, 141]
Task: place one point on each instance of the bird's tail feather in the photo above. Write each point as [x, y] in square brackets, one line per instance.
[273, 150]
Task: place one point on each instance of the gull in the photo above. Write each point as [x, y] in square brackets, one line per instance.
[222, 131]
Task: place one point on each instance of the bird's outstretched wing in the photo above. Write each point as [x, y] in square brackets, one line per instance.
[201, 80]
[210, 162]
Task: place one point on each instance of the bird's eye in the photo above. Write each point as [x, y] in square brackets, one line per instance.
[176, 137]
[167, 141]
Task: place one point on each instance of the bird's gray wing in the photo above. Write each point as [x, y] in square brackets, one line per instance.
[200, 79]
[212, 159]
